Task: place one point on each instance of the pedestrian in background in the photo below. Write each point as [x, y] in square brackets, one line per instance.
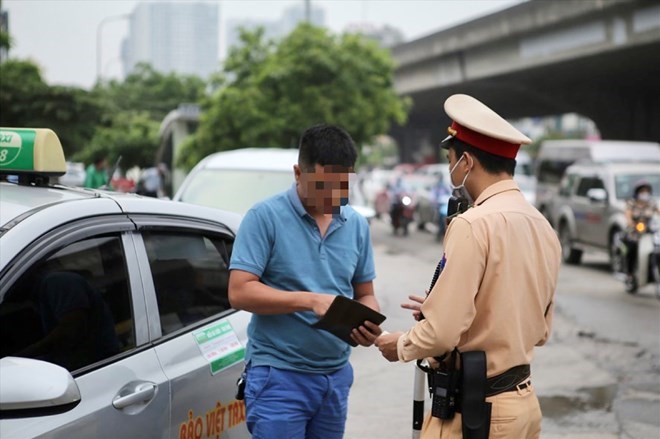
[294, 253]
[96, 174]
[152, 181]
[496, 288]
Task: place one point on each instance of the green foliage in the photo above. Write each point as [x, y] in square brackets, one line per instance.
[27, 101]
[147, 90]
[131, 135]
[272, 91]
[5, 39]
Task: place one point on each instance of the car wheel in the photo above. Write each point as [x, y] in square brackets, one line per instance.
[569, 254]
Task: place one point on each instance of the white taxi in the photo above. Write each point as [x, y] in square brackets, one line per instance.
[114, 317]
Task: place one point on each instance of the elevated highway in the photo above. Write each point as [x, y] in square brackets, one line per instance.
[597, 58]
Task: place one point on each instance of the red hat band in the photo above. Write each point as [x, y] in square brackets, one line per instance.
[485, 143]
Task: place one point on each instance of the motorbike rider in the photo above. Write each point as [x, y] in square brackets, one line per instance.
[396, 193]
[640, 208]
[439, 194]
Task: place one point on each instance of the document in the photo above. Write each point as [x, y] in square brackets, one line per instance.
[346, 314]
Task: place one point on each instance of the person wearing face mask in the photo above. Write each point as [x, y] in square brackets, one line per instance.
[640, 208]
[493, 299]
[294, 253]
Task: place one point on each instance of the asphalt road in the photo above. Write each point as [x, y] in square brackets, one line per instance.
[609, 333]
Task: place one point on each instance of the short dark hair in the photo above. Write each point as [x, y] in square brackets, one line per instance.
[493, 164]
[98, 158]
[326, 145]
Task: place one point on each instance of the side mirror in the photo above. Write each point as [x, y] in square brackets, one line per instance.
[35, 388]
[597, 195]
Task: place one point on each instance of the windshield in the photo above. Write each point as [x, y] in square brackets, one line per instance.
[235, 190]
[626, 182]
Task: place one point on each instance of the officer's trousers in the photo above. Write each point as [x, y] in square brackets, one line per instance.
[515, 414]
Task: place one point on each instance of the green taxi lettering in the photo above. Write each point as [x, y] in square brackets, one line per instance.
[6, 138]
[17, 149]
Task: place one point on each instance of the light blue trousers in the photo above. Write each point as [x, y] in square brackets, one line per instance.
[294, 405]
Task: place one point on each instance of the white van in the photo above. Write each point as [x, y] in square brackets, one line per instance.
[556, 155]
[236, 180]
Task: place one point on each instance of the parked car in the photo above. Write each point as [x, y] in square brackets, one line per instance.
[74, 175]
[114, 314]
[236, 180]
[590, 205]
[556, 155]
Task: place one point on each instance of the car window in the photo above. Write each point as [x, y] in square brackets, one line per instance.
[567, 185]
[551, 171]
[587, 183]
[235, 190]
[190, 274]
[625, 183]
[72, 308]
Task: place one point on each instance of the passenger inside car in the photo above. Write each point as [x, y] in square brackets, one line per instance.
[76, 324]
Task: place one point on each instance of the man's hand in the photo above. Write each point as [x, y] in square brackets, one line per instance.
[415, 307]
[386, 344]
[366, 334]
[321, 303]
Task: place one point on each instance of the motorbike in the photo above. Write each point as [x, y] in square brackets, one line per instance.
[648, 256]
[402, 211]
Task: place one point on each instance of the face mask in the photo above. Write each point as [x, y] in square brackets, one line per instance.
[460, 198]
[459, 190]
[644, 196]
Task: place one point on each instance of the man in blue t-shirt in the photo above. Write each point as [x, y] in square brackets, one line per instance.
[294, 253]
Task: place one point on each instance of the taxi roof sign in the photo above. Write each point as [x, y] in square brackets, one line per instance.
[35, 151]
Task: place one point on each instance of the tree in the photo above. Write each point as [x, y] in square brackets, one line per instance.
[272, 91]
[134, 110]
[27, 101]
[145, 89]
[131, 135]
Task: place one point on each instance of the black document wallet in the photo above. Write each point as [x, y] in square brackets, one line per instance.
[344, 315]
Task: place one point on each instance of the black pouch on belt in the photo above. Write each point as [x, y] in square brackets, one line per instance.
[475, 410]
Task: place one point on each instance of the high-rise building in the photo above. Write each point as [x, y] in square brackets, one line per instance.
[4, 28]
[173, 37]
[275, 28]
[386, 36]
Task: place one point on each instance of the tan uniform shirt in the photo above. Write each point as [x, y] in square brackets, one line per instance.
[496, 290]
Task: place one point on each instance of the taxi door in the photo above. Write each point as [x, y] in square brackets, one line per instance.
[199, 339]
[127, 394]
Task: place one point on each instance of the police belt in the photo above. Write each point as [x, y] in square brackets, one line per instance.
[507, 381]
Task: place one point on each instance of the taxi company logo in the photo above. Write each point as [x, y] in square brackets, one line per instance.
[10, 147]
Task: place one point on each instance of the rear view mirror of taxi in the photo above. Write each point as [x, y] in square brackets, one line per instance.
[31, 151]
[35, 388]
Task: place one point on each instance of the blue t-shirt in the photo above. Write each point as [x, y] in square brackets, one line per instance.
[281, 243]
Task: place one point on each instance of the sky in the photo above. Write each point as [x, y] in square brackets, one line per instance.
[61, 35]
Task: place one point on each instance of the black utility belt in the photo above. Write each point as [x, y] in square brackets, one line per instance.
[508, 381]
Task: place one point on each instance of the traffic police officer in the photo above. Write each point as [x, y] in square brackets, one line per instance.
[500, 266]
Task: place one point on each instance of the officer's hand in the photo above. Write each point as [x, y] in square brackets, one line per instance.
[366, 335]
[387, 345]
[415, 307]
